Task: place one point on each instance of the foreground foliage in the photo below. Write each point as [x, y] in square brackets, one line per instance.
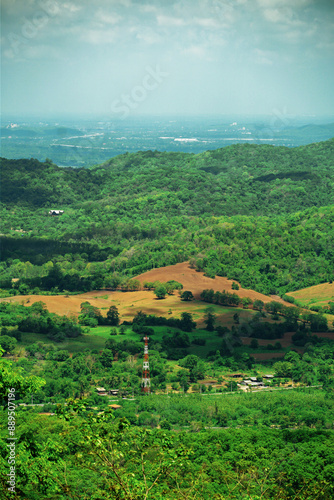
[81, 455]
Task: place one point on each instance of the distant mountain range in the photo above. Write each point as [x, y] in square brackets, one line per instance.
[86, 144]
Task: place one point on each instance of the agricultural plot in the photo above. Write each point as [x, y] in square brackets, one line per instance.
[318, 295]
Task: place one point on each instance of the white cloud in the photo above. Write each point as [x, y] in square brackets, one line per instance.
[272, 4]
[196, 51]
[209, 13]
[42, 52]
[263, 57]
[98, 36]
[206, 22]
[278, 15]
[147, 36]
[148, 8]
[105, 17]
[170, 21]
[125, 3]
[70, 7]
[33, 52]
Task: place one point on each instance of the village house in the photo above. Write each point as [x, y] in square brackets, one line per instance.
[251, 382]
[56, 212]
[104, 392]
[114, 392]
[101, 391]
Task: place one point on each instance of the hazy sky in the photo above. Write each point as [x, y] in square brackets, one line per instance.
[123, 57]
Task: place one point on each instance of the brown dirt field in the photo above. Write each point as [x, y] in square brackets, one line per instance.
[126, 302]
[197, 282]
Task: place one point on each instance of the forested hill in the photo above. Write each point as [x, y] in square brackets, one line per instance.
[262, 215]
[240, 179]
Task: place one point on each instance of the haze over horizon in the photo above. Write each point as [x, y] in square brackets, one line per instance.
[125, 58]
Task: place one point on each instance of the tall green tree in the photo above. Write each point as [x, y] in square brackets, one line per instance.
[113, 316]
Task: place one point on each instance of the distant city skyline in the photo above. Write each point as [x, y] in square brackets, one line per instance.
[126, 58]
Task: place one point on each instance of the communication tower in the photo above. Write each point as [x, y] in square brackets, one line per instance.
[146, 383]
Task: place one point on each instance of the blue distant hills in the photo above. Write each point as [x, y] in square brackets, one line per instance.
[85, 143]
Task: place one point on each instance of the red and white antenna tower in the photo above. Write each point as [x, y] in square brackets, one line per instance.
[146, 383]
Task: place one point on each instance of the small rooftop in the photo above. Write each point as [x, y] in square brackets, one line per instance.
[115, 407]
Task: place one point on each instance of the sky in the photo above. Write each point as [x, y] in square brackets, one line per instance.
[121, 58]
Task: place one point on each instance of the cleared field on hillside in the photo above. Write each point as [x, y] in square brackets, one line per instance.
[128, 303]
[318, 295]
[196, 282]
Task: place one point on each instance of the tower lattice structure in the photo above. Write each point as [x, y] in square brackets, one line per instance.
[146, 383]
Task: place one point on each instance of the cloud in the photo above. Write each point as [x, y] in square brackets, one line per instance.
[105, 17]
[278, 15]
[70, 7]
[170, 21]
[265, 31]
[263, 57]
[206, 22]
[296, 4]
[98, 36]
[148, 36]
[209, 13]
[29, 52]
[196, 51]
[148, 8]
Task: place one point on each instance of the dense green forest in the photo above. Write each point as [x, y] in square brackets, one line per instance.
[85, 456]
[262, 215]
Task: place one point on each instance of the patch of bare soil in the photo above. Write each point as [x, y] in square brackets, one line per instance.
[196, 282]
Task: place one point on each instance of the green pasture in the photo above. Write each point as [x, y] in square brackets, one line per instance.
[96, 337]
[78, 344]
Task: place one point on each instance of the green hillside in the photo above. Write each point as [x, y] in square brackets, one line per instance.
[262, 215]
[241, 179]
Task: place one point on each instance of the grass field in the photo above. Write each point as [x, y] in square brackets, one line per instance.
[96, 338]
[318, 295]
[87, 341]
